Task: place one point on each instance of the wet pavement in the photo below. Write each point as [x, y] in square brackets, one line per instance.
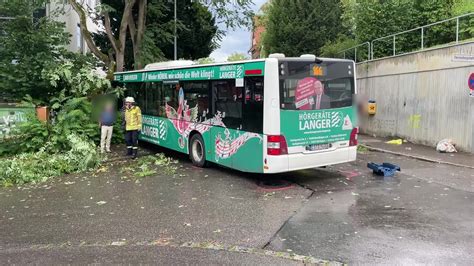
[218, 216]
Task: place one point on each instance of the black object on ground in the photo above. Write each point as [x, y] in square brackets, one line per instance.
[384, 169]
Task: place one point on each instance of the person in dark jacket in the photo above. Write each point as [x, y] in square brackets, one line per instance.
[107, 120]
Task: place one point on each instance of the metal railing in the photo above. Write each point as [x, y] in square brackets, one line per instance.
[393, 39]
[354, 48]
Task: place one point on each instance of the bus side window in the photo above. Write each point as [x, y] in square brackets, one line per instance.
[137, 91]
[253, 105]
[170, 95]
[227, 100]
[153, 99]
[196, 94]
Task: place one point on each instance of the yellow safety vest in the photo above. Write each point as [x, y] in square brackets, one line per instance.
[133, 118]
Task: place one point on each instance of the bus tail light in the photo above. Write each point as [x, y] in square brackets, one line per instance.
[276, 145]
[353, 139]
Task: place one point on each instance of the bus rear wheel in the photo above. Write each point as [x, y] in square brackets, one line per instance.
[197, 151]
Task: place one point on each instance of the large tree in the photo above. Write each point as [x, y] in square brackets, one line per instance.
[133, 27]
[298, 27]
[28, 47]
[198, 34]
[196, 31]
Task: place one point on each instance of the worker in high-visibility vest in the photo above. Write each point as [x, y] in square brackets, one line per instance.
[133, 126]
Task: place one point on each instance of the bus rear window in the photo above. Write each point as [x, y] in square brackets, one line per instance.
[309, 86]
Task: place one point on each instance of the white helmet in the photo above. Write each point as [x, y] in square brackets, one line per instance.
[129, 100]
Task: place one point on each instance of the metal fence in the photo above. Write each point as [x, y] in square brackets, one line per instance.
[359, 51]
[401, 43]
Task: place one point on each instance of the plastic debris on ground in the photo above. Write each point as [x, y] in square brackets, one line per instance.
[446, 145]
[395, 142]
[384, 169]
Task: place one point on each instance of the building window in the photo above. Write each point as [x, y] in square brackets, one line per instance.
[79, 40]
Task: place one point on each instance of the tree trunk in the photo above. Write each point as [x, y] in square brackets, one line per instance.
[142, 5]
[118, 45]
[120, 52]
[137, 30]
[120, 60]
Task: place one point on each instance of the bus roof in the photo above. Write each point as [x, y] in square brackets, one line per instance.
[216, 71]
[230, 63]
[193, 66]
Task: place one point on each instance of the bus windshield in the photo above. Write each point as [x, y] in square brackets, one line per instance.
[307, 85]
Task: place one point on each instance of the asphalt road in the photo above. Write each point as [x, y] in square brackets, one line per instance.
[218, 216]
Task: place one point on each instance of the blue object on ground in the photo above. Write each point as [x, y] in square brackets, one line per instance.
[384, 169]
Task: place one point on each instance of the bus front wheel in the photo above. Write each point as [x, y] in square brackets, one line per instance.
[197, 151]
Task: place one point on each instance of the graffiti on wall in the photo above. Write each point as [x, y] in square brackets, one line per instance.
[414, 121]
[11, 118]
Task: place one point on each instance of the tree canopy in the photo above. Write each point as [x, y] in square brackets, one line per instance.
[368, 20]
[133, 25]
[34, 60]
[28, 47]
[299, 27]
[237, 57]
[326, 27]
[196, 30]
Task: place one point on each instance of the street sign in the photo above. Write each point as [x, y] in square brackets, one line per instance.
[470, 83]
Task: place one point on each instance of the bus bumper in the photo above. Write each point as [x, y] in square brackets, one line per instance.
[293, 162]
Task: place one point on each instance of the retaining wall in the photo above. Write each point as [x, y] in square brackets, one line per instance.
[422, 97]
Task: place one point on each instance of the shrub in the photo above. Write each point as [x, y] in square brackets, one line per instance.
[334, 48]
[74, 117]
[27, 137]
[118, 137]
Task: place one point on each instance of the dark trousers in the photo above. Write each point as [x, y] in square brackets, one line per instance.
[131, 139]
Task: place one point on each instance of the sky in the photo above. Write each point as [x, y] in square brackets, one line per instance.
[235, 41]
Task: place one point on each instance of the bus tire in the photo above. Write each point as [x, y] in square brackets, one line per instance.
[197, 150]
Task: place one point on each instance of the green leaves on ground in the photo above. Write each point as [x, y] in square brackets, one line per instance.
[150, 165]
[362, 149]
[41, 165]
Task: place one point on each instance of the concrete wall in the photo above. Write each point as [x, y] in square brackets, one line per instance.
[422, 97]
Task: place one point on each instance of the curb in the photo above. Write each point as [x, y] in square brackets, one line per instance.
[210, 245]
[421, 158]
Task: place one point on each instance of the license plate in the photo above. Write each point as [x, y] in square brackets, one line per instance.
[318, 147]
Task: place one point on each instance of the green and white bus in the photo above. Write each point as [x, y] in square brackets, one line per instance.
[268, 115]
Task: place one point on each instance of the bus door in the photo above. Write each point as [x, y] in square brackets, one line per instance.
[227, 106]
